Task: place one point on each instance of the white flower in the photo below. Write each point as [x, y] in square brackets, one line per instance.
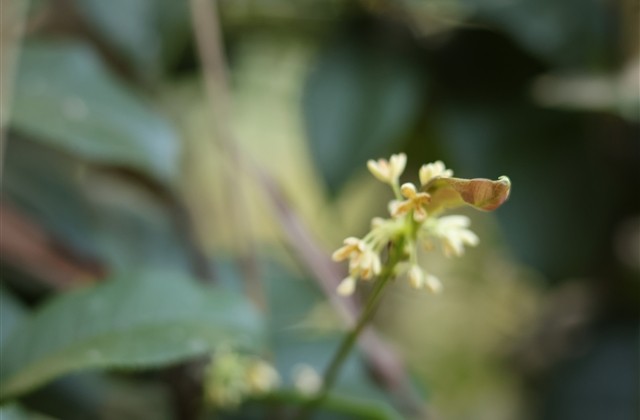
[388, 171]
[414, 201]
[232, 377]
[262, 377]
[432, 283]
[347, 286]
[377, 222]
[363, 260]
[365, 264]
[433, 170]
[453, 232]
[416, 277]
[419, 279]
[306, 379]
[350, 247]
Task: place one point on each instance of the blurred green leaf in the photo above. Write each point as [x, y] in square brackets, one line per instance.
[601, 382]
[17, 412]
[102, 395]
[547, 156]
[94, 214]
[65, 97]
[360, 99]
[135, 322]
[551, 30]
[11, 313]
[44, 183]
[150, 33]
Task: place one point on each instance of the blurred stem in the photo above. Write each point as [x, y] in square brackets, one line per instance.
[370, 306]
[336, 403]
[208, 34]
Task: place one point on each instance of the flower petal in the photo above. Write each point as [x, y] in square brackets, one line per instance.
[433, 284]
[397, 163]
[483, 194]
[380, 169]
[347, 286]
[408, 190]
[416, 277]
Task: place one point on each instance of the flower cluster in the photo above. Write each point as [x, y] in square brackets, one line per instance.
[414, 220]
[232, 377]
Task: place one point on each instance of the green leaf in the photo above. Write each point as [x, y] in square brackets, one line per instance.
[17, 412]
[551, 30]
[137, 322]
[483, 194]
[65, 97]
[97, 216]
[544, 153]
[150, 33]
[12, 312]
[360, 99]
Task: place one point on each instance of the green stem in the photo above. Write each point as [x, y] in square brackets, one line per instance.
[331, 374]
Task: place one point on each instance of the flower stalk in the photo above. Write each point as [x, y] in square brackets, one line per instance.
[346, 345]
[415, 219]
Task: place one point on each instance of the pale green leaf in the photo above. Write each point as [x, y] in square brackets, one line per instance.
[483, 194]
[142, 321]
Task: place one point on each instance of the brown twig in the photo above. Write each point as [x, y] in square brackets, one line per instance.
[26, 246]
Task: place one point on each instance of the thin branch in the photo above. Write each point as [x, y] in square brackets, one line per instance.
[208, 35]
[386, 365]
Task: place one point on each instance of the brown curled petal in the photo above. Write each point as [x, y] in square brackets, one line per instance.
[483, 194]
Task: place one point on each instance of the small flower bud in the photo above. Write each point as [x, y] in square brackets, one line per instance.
[433, 170]
[433, 284]
[376, 222]
[262, 377]
[453, 232]
[388, 171]
[306, 379]
[414, 201]
[416, 277]
[350, 246]
[408, 190]
[347, 286]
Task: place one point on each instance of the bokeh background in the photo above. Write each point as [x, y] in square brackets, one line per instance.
[130, 146]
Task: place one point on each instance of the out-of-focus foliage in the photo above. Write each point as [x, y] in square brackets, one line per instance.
[79, 107]
[360, 98]
[150, 34]
[116, 325]
[112, 171]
